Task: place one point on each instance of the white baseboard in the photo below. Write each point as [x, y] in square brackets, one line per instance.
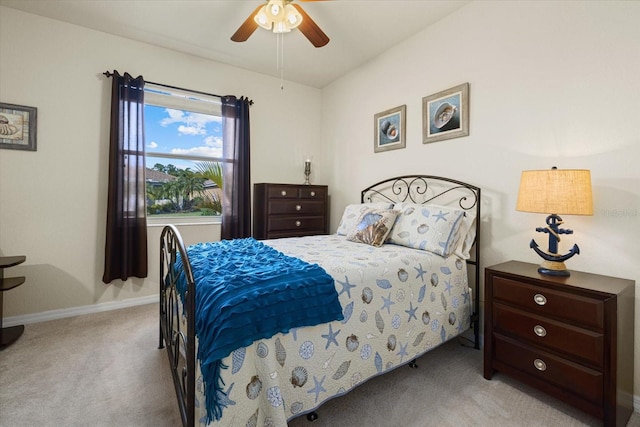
[77, 311]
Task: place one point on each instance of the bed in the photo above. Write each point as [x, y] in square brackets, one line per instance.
[403, 269]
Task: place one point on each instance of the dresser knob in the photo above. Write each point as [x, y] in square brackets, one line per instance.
[298, 207]
[313, 194]
[283, 192]
[540, 299]
[298, 223]
[540, 330]
[540, 365]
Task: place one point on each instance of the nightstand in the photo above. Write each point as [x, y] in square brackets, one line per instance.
[289, 210]
[571, 337]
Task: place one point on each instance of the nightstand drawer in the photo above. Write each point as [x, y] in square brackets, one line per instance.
[577, 343]
[296, 223]
[579, 380]
[584, 311]
[296, 207]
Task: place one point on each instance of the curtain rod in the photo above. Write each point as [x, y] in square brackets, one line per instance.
[110, 74]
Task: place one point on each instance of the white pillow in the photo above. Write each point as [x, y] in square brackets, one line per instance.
[432, 228]
[373, 227]
[353, 212]
[467, 235]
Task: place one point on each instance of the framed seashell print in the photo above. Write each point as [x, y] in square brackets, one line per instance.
[389, 129]
[17, 127]
[445, 115]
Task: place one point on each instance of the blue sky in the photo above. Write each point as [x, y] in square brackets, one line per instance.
[180, 132]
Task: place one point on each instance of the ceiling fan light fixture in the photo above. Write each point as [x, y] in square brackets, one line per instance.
[281, 16]
[275, 10]
[293, 17]
[262, 19]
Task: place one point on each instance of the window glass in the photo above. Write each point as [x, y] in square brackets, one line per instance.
[183, 135]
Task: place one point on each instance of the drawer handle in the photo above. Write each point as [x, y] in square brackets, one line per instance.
[540, 299]
[298, 223]
[540, 330]
[298, 207]
[313, 194]
[540, 365]
[283, 192]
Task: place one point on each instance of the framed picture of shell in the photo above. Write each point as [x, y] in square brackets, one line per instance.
[389, 129]
[445, 115]
[17, 127]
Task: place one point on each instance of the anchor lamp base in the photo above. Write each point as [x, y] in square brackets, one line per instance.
[553, 268]
[553, 264]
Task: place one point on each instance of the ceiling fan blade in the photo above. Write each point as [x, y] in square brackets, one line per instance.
[247, 28]
[310, 29]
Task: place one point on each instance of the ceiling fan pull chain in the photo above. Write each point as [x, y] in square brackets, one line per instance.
[280, 57]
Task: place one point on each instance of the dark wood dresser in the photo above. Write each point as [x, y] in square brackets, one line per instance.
[571, 337]
[289, 210]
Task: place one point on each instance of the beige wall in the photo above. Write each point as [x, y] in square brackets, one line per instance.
[53, 201]
[551, 84]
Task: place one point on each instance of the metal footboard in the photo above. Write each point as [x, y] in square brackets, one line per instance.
[180, 344]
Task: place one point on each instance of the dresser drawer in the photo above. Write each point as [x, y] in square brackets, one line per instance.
[282, 192]
[579, 380]
[296, 223]
[296, 207]
[588, 312]
[296, 192]
[319, 193]
[577, 343]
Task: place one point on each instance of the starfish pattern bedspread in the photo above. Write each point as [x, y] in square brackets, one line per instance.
[397, 303]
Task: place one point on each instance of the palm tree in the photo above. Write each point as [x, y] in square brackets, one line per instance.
[213, 172]
[189, 184]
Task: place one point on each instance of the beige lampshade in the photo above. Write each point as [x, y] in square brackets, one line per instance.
[556, 191]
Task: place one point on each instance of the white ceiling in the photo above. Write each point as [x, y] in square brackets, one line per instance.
[359, 30]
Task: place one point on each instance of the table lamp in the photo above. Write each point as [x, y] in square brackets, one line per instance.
[555, 192]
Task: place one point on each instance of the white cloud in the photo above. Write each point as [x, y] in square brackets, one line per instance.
[192, 130]
[213, 141]
[152, 144]
[175, 116]
[190, 123]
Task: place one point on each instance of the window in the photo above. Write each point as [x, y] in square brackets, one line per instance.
[183, 137]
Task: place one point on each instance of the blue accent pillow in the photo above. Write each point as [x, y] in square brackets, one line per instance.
[373, 227]
[352, 214]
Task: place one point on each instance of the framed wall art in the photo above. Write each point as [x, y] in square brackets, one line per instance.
[389, 129]
[17, 127]
[445, 114]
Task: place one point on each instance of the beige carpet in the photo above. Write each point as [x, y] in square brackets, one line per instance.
[105, 370]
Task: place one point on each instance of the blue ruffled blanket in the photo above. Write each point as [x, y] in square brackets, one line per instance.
[247, 291]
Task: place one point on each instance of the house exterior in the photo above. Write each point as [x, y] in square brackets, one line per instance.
[551, 84]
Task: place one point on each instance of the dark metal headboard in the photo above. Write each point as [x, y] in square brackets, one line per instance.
[423, 189]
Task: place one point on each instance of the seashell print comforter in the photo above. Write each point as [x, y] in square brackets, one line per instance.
[398, 303]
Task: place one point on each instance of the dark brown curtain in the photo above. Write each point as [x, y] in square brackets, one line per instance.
[236, 183]
[126, 243]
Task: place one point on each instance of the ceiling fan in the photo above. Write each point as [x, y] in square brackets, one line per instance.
[281, 16]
